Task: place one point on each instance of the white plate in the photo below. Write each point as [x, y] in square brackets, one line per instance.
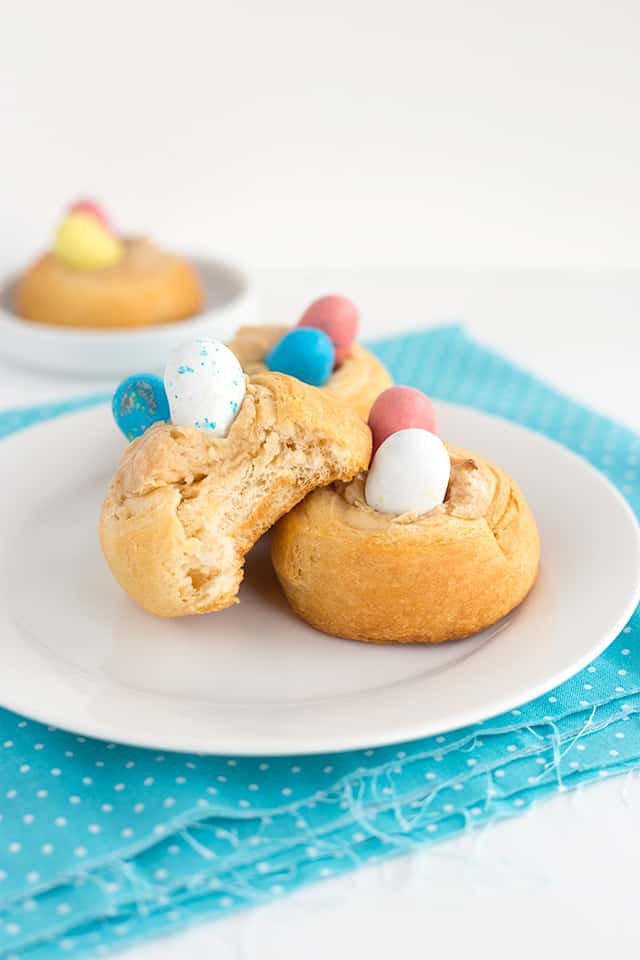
[77, 653]
[229, 303]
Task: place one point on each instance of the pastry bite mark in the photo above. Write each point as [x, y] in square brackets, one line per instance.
[184, 507]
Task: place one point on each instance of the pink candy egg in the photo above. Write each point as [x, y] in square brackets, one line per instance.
[338, 318]
[400, 408]
[92, 210]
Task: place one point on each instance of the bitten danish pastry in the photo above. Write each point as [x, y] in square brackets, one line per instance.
[352, 562]
[94, 278]
[320, 350]
[188, 501]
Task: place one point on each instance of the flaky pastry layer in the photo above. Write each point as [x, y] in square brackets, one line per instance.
[184, 508]
[353, 572]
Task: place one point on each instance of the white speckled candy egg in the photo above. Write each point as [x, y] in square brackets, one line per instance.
[409, 473]
[205, 385]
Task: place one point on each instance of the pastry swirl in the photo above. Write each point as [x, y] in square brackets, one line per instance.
[356, 382]
[354, 572]
[147, 287]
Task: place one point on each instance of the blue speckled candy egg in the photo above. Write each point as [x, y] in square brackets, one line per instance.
[205, 385]
[138, 402]
[305, 353]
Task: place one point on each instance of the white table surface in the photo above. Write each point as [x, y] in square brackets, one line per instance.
[564, 874]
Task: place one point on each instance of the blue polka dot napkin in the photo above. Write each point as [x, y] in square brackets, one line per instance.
[102, 845]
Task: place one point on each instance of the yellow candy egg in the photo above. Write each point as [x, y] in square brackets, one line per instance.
[83, 243]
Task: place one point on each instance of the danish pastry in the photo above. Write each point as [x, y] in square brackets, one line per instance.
[186, 504]
[415, 551]
[93, 278]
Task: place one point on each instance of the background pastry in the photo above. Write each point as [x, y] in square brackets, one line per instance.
[440, 558]
[94, 278]
[321, 349]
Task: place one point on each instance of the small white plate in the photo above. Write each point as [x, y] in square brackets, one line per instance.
[230, 302]
[77, 653]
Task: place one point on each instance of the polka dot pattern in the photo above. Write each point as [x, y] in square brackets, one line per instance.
[102, 845]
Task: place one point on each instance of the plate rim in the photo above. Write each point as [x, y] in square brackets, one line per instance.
[22, 337]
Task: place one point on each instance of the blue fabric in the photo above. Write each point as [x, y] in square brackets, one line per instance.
[102, 845]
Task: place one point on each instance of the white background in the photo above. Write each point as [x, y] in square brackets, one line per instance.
[343, 133]
[359, 146]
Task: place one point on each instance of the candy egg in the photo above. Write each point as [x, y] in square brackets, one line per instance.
[305, 353]
[92, 210]
[83, 243]
[339, 319]
[399, 408]
[409, 473]
[205, 385]
[139, 401]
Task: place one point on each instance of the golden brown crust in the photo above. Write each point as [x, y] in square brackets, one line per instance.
[183, 508]
[358, 381]
[147, 287]
[444, 576]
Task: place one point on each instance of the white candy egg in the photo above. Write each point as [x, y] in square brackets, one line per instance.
[409, 474]
[205, 385]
